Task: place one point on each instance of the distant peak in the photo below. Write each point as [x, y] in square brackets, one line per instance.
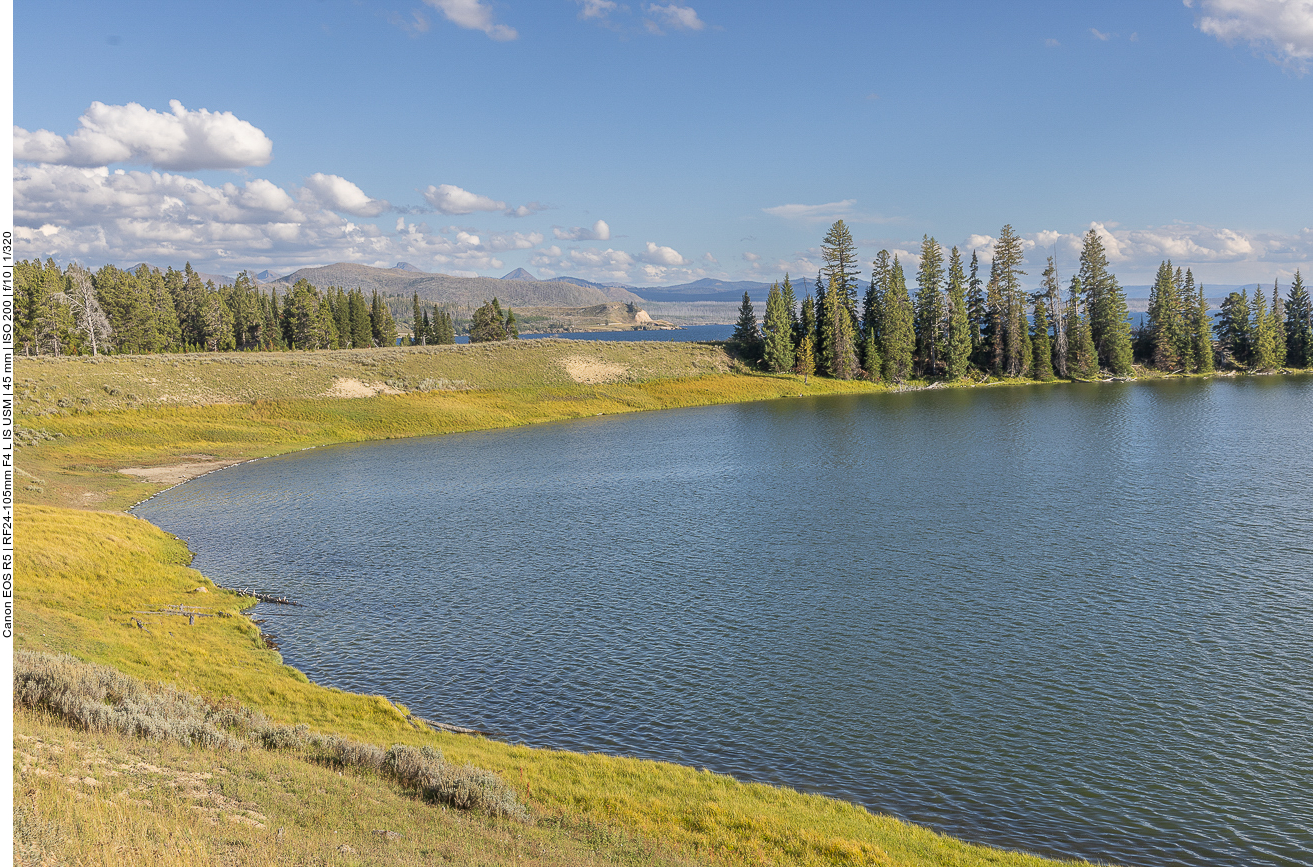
[406, 266]
[520, 274]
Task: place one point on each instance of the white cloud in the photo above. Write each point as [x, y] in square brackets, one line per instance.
[1052, 43]
[1283, 28]
[673, 16]
[449, 199]
[813, 213]
[595, 8]
[526, 210]
[181, 141]
[600, 231]
[751, 257]
[710, 259]
[473, 15]
[1100, 35]
[338, 194]
[655, 255]
[100, 215]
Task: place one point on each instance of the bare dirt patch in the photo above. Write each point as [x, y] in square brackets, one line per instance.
[593, 371]
[176, 474]
[346, 387]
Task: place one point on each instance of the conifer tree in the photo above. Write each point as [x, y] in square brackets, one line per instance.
[977, 313]
[1105, 305]
[957, 355]
[1041, 349]
[1299, 325]
[777, 334]
[824, 352]
[1164, 329]
[843, 363]
[1082, 357]
[1053, 297]
[1202, 344]
[1233, 329]
[381, 323]
[806, 362]
[791, 305]
[872, 364]
[873, 302]
[995, 326]
[899, 335]
[928, 319]
[746, 336]
[1263, 348]
[1278, 317]
[807, 326]
[361, 332]
[840, 257]
[416, 320]
[1007, 274]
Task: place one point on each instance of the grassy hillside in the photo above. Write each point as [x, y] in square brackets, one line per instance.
[86, 576]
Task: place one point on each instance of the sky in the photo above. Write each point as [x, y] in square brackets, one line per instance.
[659, 143]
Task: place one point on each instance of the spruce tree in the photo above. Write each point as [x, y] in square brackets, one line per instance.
[1279, 347]
[807, 327]
[1164, 327]
[840, 257]
[1105, 305]
[1083, 356]
[488, 323]
[824, 352]
[957, 355]
[1041, 349]
[1263, 350]
[899, 335]
[1007, 273]
[777, 335]
[843, 362]
[806, 362]
[872, 364]
[1202, 344]
[873, 302]
[928, 319]
[416, 320]
[1299, 325]
[1053, 297]
[995, 326]
[791, 305]
[1233, 329]
[977, 313]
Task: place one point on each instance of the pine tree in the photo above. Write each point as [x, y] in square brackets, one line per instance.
[1007, 274]
[791, 306]
[957, 355]
[843, 363]
[977, 313]
[1083, 356]
[807, 327]
[417, 321]
[1105, 305]
[824, 352]
[1278, 316]
[1202, 344]
[1041, 349]
[806, 363]
[929, 314]
[1053, 297]
[777, 337]
[1164, 328]
[872, 364]
[840, 257]
[361, 332]
[381, 324]
[899, 335]
[995, 324]
[873, 301]
[1299, 325]
[746, 336]
[1233, 329]
[488, 323]
[1263, 350]
[88, 317]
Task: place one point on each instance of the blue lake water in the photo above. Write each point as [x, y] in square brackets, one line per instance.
[1076, 620]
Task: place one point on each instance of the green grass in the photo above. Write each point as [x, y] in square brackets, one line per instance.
[82, 577]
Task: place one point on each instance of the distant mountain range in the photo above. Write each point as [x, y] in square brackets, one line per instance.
[613, 291]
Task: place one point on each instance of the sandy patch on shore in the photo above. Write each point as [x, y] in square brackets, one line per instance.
[592, 371]
[176, 474]
[346, 387]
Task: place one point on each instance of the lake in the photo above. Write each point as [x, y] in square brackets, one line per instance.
[1076, 619]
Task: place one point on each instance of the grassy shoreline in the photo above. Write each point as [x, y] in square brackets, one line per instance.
[85, 576]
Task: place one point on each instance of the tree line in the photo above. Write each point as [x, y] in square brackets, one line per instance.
[73, 311]
[959, 322]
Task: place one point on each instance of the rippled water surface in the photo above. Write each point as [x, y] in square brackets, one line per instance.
[1075, 620]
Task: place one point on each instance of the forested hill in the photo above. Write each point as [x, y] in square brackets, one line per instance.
[446, 289]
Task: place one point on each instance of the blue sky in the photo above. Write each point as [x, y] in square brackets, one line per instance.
[713, 139]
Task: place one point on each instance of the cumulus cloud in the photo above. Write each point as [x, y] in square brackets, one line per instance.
[751, 257]
[600, 231]
[526, 210]
[473, 15]
[338, 194]
[595, 8]
[655, 255]
[98, 214]
[813, 213]
[1281, 28]
[182, 140]
[450, 199]
[672, 16]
